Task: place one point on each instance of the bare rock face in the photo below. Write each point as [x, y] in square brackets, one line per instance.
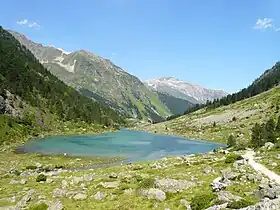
[10, 105]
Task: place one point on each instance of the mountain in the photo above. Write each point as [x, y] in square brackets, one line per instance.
[30, 93]
[180, 89]
[99, 79]
[177, 106]
[233, 114]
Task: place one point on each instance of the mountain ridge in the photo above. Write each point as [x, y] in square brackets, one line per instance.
[84, 70]
[181, 89]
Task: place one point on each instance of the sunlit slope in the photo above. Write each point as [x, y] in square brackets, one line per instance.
[217, 124]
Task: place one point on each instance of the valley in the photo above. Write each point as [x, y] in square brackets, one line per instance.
[84, 111]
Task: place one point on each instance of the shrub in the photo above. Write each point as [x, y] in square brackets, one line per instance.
[240, 204]
[202, 201]
[234, 118]
[232, 158]
[231, 141]
[31, 167]
[147, 183]
[41, 178]
[41, 206]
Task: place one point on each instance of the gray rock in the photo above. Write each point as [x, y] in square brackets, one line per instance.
[228, 174]
[88, 177]
[185, 204]
[209, 170]
[113, 197]
[154, 193]
[80, 196]
[173, 185]
[77, 180]
[225, 197]
[278, 156]
[129, 191]
[265, 205]
[55, 206]
[268, 146]
[71, 194]
[38, 165]
[49, 180]
[99, 196]
[110, 184]
[64, 184]
[25, 199]
[113, 175]
[59, 193]
[217, 185]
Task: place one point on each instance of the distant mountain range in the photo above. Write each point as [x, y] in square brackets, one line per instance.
[184, 90]
[101, 80]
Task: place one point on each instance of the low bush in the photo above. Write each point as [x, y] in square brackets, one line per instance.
[232, 158]
[147, 183]
[41, 206]
[240, 204]
[202, 201]
[31, 167]
[41, 178]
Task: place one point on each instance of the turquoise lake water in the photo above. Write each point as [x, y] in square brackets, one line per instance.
[132, 145]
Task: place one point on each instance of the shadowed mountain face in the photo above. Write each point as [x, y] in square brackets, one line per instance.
[99, 79]
[184, 90]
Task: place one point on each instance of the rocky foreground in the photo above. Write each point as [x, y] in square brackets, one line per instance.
[217, 180]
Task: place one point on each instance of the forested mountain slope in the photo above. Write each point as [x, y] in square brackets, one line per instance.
[26, 85]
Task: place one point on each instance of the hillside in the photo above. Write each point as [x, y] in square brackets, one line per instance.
[100, 79]
[31, 98]
[175, 105]
[218, 123]
[181, 89]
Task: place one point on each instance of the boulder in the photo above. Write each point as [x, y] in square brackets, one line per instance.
[225, 197]
[185, 204]
[217, 185]
[268, 146]
[99, 196]
[154, 193]
[59, 193]
[55, 206]
[209, 170]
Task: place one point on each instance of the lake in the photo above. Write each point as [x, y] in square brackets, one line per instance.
[132, 145]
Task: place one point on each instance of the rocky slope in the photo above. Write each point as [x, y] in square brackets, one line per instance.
[99, 79]
[184, 90]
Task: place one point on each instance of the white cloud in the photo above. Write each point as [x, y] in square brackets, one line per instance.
[22, 22]
[30, 24]
[264, 23]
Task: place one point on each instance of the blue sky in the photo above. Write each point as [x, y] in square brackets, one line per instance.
[221, 44]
